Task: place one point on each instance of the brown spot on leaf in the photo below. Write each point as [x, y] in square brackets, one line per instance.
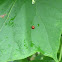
[2, 16]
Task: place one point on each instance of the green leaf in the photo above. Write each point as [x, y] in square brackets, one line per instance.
[37, 61]
[38, 58]
[42, 61]
[23, 60]
[18, 40]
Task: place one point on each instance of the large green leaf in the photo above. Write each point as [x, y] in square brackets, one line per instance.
[18, 40]
[36, 61]
[38, 58]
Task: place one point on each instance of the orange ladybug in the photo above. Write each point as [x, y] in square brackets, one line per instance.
[33, 27]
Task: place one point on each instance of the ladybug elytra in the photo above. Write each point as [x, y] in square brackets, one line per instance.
[33, 27]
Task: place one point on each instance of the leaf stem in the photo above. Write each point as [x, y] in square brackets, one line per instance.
[60, 56]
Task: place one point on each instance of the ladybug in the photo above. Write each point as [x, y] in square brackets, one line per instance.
[33, 27]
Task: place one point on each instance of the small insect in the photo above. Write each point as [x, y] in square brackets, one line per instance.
[2, 16]
[33, 1]
[33, 27]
